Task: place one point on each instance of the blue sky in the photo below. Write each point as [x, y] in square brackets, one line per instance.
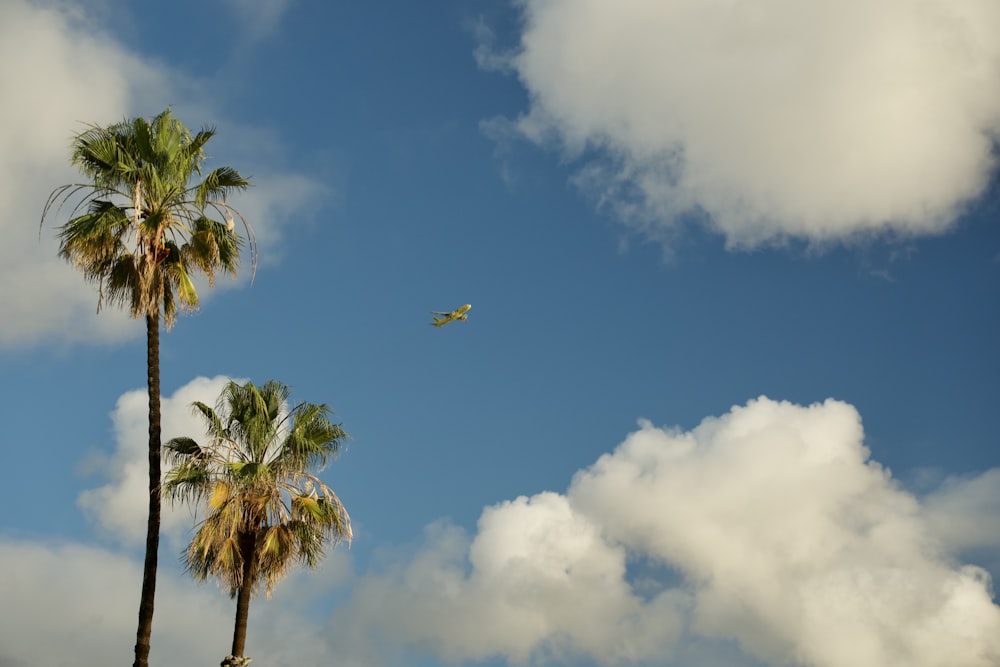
[727, 393]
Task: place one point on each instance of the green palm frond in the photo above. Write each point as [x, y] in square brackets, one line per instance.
[213, 422]
[141, 134]
[139, 207]
[187, 482]
[194, 150]
[217, 185]
[249, 473]
[314, 438]
[190, 477]
[93, 240]
[182, 449]
[100, 154]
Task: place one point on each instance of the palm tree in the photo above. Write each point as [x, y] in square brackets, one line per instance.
[141, 229]
[264, 509]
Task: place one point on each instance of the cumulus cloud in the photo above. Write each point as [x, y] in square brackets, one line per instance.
[779, 533]
[770, 119]
[119, 507]
[797, 544]
[538, 579]
[79, 74]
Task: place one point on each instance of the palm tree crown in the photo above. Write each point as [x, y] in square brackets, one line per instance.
[139, 228]
[265, 509]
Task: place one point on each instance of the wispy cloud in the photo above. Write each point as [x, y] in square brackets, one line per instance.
[767, 121]
[259, 18]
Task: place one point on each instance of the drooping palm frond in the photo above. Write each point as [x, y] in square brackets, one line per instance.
[311, 428]
[263, 507]
[211, 246]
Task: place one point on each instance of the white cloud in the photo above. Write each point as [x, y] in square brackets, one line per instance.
[778, 118]
[72, 78]
[797, 544]
[768, 528]
[965, 513]
[276, 197]
[786, 537]
[540, 581]
[88, 599]
[62, 70]
[119, 508]
[70, 604]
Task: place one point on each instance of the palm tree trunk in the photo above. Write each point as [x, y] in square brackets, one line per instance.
[247, 543]
[145, 629]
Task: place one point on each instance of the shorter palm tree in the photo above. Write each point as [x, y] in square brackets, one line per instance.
[264, 508]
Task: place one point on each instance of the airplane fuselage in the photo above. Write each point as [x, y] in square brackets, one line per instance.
[457, 314]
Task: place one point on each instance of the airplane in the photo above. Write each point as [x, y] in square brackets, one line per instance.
[458, 314]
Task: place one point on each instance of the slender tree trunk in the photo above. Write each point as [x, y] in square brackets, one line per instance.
[247, 543]
[153, 524]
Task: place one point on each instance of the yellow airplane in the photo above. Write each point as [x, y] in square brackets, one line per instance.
[458, 314]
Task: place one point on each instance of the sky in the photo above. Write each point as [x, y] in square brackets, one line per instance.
[727, 393]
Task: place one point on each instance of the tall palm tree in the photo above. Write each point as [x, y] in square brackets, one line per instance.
[141, 228]
[264, 507]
